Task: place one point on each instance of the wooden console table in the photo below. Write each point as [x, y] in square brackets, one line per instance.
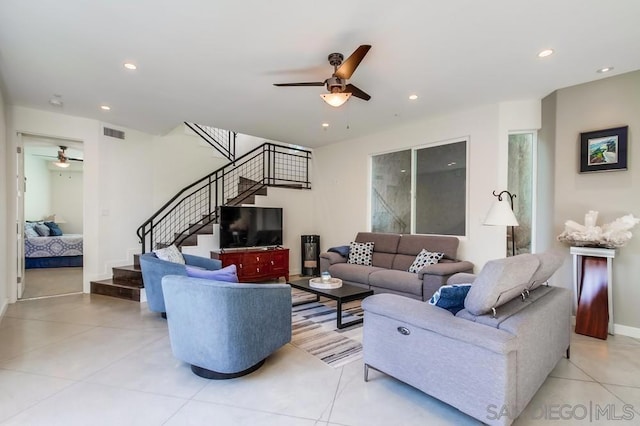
[256, 264]
[593, 290]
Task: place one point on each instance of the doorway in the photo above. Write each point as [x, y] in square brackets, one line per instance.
[52, 214]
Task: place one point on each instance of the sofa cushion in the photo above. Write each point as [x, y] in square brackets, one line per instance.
[550, 261]
[170, 254]
[413, 244]
[353, 273]
[360, 253]
[450, 297]
[499, 281]
[400, 281]
[423, 259]
[386, 243]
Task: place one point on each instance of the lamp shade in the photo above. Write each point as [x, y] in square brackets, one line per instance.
[55, 218]
[501, 214]
[335, 99]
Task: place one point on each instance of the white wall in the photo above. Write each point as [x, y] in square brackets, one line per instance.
[120, 184]
[4, 201]
[341, 175]
[67, 199]
[602, 104]
[37, 196]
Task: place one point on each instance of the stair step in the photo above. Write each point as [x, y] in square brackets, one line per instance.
[191, 240]
[136, 260]
[245, 184]
[241, 199]
[206, 229]
[130, 274]
[116, 289]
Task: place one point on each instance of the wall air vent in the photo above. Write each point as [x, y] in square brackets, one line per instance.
[113, 133]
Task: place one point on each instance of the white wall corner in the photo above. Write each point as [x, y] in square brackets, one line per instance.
[625, 330]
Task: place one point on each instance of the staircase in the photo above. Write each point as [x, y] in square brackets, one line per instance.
[193, 211]
[126, 282]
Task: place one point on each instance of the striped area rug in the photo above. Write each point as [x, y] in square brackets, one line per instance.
[314, 330]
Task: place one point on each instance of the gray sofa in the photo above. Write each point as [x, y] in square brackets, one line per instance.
[392, 256]
[490, 358]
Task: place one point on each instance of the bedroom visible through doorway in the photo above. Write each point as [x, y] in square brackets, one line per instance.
[53, 217]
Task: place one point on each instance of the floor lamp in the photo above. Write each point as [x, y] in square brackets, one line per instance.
[501, 214]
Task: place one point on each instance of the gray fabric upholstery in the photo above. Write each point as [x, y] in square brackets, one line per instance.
[393, 254]
[499, 281]
[465, 363]
[396, 281]
[550, 261]
[461, 278]
[226, 327]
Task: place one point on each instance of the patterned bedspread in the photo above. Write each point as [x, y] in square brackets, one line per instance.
[64, 245]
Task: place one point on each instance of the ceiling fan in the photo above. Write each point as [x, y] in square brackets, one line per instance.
[63, 160]
[339, 90]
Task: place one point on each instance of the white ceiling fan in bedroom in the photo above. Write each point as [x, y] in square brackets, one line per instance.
[63, 159]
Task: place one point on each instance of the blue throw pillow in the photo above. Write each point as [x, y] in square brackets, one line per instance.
[228, 273]
[42, 229]
[450, 297]
[341, 250]
[54, 229]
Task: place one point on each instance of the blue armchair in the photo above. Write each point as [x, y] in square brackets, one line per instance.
[153, 269]
[226, 330]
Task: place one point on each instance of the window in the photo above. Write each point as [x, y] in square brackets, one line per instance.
[520, 182]
[436, 174]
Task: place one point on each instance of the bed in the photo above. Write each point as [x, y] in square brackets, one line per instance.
[53, 251]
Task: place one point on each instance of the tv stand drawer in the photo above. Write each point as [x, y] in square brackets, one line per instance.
[257, 265]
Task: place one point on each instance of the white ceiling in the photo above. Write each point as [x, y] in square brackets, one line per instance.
[214, 62]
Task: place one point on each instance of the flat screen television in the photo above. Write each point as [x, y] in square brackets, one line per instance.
[250, 226]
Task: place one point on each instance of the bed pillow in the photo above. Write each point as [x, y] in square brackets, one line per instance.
[42, 229]
[54, 229]
[30, 231]
[423, 259]
[450, 297]
[360, 253]
[228, 273]
[170, 254]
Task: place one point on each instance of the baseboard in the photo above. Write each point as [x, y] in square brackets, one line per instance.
[625, 330]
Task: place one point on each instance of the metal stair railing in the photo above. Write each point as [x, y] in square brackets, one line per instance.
[224, 141]
[267, 165]
[382, 208]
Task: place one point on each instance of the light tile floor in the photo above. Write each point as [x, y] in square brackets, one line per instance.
[82, 359]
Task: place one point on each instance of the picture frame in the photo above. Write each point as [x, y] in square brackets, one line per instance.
[604, 150]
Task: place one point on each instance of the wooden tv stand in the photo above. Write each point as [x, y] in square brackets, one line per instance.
[255, 265]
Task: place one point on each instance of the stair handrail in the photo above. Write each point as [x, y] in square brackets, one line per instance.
[389, 209]
[265, 161]
[224, 141]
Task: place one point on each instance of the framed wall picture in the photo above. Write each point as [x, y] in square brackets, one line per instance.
[604, 150]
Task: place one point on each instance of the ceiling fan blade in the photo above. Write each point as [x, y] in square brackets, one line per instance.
[347, 68]
[315, 83]
[357, 92]
[74, 159]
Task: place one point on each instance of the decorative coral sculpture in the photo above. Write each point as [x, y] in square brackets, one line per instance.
[611, 235]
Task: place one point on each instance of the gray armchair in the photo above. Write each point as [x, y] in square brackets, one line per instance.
[226, 330]
[153, 269]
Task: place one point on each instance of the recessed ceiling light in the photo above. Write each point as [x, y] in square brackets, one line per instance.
[413, 97]
[56, 101]
[325, 125]
[545, 53]
[453, 163]
[605, 69]
[130, 66]
[105, 107]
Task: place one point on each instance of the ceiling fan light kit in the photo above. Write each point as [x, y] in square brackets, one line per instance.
[62, 164]
[339, 90]
[335, 99]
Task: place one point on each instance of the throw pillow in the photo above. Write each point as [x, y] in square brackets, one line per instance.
[228, 273]
[30, 230]
[341, 250]
[54, 229]
[170, 254]
[423, 259]
[450, 297]
[42, 230]
[360, 253]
